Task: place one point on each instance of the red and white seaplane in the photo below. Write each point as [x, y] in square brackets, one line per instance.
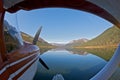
[18, 59]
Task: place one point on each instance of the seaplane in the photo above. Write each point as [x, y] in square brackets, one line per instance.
[18, 58]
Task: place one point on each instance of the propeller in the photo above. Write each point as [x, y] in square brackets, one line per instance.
[37, 36]
[43, 63]
[35, 42]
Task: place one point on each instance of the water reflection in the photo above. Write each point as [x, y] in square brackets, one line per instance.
[43, 50]
[71, 65]
[78, 52]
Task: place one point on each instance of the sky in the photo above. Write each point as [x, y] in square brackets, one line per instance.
[59, 25]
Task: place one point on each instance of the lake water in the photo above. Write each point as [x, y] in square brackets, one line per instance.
[72, 66]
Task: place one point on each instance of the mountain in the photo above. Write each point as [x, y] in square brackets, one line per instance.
[77, 42]
[41, 42]
[110, 36]
[58, 44]
[103, 45]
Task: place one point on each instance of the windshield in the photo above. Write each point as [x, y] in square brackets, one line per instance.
[13, 38]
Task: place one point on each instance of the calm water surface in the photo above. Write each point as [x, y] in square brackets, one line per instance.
[72, 66]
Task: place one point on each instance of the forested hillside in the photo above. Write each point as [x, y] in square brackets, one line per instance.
[41, 43]
[109, 37]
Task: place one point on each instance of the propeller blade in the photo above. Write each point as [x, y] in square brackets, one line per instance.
[37, 36]
[35, 42]
[43, 63]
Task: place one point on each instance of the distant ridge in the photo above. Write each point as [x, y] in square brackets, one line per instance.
[109, 37]
[77, 42]
[40, 43]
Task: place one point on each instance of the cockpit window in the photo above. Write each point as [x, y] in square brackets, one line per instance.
[13, 38]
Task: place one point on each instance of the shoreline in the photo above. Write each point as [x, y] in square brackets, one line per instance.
[93, 47]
